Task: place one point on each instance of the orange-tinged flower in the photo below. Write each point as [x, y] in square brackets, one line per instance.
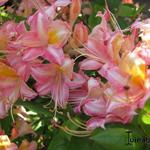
[135, 67]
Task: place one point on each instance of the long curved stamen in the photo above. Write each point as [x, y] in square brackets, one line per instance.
[85, 54]
[76, 123]
[11, 113]
[46, 105]
[75, 133]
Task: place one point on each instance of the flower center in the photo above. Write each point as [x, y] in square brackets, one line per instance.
[53, 37]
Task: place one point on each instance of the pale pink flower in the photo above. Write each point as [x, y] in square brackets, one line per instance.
[57, 79]
[12, 87]
[45, 35]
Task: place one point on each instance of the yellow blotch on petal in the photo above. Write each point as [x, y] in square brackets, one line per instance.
[53, 37]
[135, 67]
[6, 71]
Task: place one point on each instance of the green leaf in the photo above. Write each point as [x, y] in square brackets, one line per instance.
[113, 5]
[58, 143]
[83, 144]
[93, 20]
[6, 124]
[144, 116]
[127, 10]
[144, 119]
[35, 107]
[116, 138]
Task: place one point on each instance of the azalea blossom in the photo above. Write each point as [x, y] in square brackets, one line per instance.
[12, 87]
[44, 35]
[57, 78]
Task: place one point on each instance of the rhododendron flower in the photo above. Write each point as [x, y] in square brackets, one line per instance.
[12, 87]
[45, 35]
[57, 79]
[129, 87]
[80, 34]
[103, 108]
[98, 53]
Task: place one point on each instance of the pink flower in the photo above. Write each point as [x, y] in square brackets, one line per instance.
[57, 79]
[80, 34]
[45, 35]
[12, 87]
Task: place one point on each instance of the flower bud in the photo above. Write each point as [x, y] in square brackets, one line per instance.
[80, 34]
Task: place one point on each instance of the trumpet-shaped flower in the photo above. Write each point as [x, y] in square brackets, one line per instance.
[57, 79]
[12, 87]
[44, 34]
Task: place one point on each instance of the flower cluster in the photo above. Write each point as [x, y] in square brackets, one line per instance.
[46, 48]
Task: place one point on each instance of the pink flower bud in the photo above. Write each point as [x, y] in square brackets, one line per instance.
[80, 34]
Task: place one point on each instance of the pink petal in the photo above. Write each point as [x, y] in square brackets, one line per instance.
[97, 50]
[32, 53]
[63, 3]
[60, 93]
[43, 88]
[4, 107]
[95, 123]
[95, 108]
[55, 55]
[76, 82]
[31, 39]
[27, 92]
[88, 64]
[42, 72]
